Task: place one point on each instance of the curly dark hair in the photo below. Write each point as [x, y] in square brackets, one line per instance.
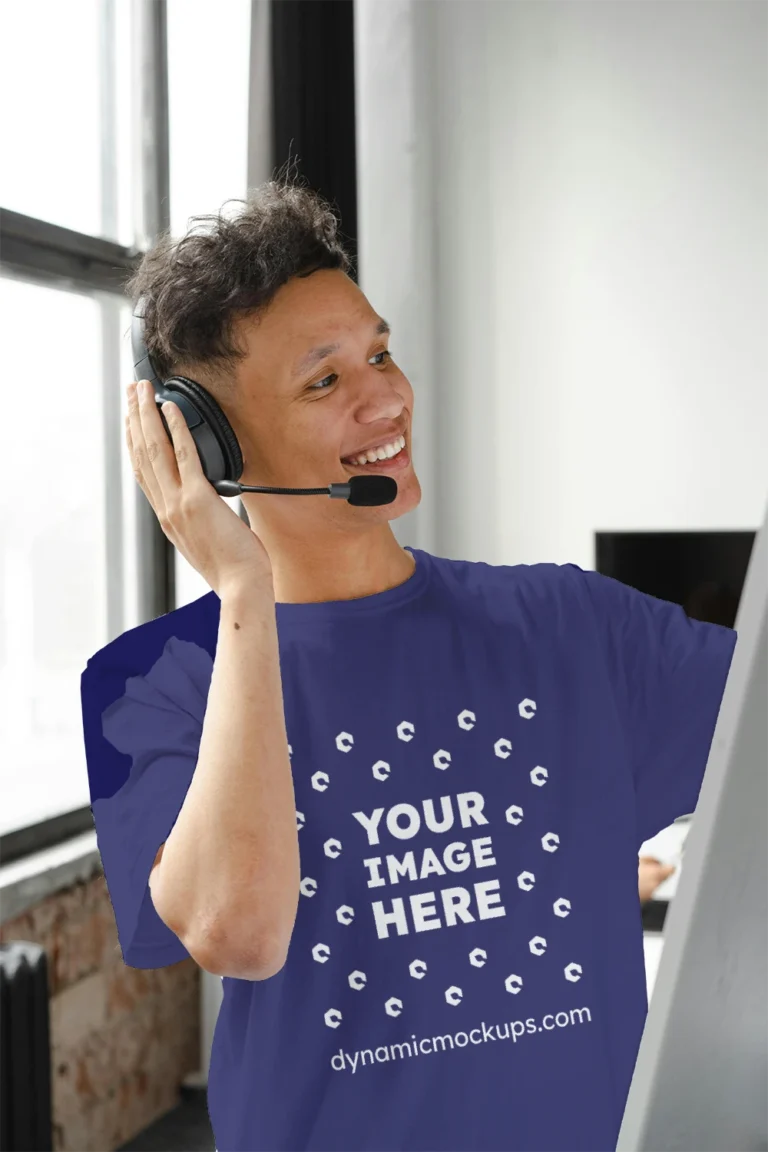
[231, 267]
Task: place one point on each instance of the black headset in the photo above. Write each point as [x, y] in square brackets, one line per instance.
[217, 445]
[220, 455]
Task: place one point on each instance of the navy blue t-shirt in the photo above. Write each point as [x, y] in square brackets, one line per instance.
[478, 755]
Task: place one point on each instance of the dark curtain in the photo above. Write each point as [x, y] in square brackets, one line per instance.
[313, 101]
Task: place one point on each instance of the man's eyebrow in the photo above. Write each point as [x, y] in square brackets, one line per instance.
[314, 355]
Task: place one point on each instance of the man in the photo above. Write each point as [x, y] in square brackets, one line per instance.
[395, 801]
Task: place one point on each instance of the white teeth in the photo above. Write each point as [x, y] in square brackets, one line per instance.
[386, 452]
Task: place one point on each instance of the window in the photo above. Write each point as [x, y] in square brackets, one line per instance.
[65, 87]
[72, 203]
[67, 540]
[89, 159]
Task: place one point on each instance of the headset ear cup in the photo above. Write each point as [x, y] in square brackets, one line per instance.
[216, 433]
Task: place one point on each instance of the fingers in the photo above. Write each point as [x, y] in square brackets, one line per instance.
[162, 464]
[159, 448]
[143, 464]
[188, 466]
[653, 861]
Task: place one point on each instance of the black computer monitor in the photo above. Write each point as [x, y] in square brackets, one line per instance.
[703, 571]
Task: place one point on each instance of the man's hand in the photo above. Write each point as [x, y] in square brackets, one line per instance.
[651, 873]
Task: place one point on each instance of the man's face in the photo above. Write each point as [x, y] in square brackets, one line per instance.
[300, 414]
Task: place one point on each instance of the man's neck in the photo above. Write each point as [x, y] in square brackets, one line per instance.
[313, 572]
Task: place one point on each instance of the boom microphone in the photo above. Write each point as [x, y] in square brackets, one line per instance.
[363, 491]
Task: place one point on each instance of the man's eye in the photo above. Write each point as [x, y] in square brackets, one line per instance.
[326, 382]
[322, 384]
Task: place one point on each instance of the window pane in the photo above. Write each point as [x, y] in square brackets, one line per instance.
[208, 63]
[65, 137]
[53, 571]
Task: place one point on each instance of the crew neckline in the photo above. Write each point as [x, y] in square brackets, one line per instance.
[323, 611]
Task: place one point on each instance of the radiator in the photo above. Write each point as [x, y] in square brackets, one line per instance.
[25, 1049]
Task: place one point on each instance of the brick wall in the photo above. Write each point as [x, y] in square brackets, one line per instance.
[122, 1038]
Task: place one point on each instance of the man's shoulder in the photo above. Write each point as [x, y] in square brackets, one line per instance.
[139, 647]
[148, 684]
[547, 593]
[481, 575]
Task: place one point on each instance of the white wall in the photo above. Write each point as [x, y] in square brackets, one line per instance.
[594, 181]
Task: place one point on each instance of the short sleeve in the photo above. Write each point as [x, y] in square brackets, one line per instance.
[142, 736]
[669, 674]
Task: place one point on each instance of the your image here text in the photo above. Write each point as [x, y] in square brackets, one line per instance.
[445, 908]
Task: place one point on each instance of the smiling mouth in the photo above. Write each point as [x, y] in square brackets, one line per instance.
[394, 463]
[392, 450]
